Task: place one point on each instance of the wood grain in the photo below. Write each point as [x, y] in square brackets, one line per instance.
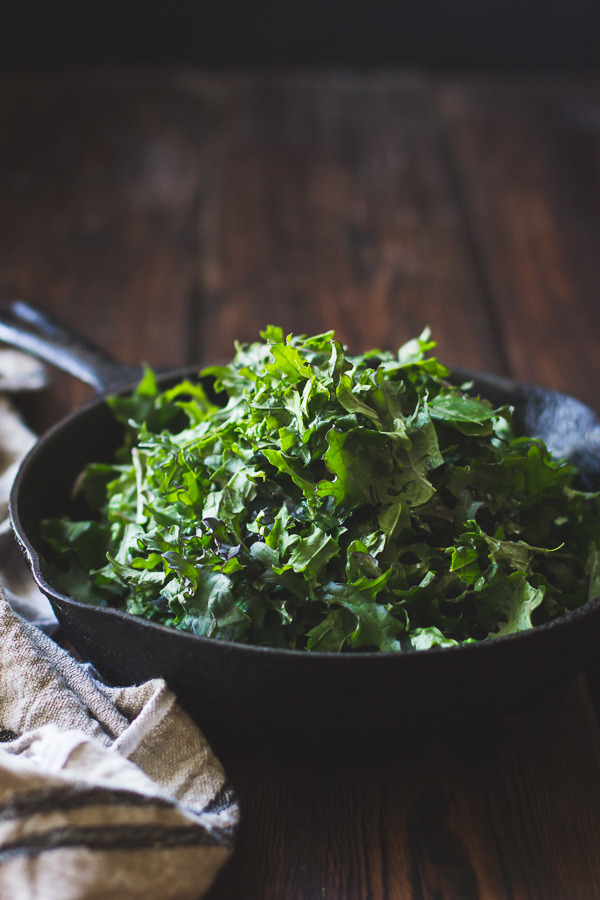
[99, 187]
[514, 813]
[527, 157]
[333, 207]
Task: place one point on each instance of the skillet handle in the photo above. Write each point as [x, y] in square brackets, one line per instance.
[46, 338]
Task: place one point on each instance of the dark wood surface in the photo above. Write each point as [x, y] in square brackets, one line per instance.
[166, 214]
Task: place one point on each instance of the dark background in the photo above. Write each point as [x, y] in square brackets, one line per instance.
[440, 34]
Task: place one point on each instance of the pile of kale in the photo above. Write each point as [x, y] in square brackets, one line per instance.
[324, 501]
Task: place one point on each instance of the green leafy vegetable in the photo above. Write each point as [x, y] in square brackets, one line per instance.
[330, 502]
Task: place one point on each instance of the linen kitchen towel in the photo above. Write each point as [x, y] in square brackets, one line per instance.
[104, 792]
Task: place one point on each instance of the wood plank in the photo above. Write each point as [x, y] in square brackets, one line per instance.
[543, 787]
[511, 814]
[99, 182]
[527, 154]
[332, 207]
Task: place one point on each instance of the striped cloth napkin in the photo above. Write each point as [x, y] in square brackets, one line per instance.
[105, 792]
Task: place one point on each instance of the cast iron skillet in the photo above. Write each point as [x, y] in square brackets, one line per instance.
[253, 700]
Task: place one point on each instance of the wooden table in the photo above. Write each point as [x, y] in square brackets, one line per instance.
[166, 213]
